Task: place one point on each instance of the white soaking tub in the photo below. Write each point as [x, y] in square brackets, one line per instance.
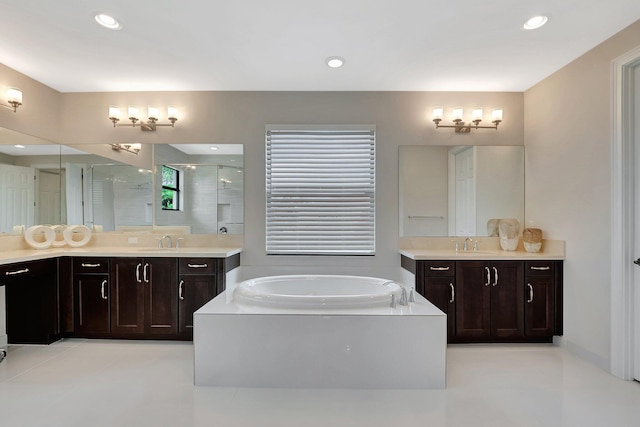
[318, 292]
[319, 331]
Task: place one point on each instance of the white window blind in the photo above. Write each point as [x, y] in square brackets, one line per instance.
[320, 192]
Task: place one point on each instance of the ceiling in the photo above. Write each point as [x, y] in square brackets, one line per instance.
[389, 45]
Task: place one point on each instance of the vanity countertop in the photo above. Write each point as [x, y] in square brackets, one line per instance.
[420, 249]
[21, 255]
[497, 255]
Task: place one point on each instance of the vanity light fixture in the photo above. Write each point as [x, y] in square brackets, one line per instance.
[14, 99]
[476, 117]
[129, 148]
[152, 117]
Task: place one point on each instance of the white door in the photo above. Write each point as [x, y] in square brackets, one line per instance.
[48, 204]
[636, 293]
[16, 196]
[465, 193]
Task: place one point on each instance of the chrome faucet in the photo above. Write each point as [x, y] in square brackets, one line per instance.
[466, 243]
[403, 297]
[166, 236]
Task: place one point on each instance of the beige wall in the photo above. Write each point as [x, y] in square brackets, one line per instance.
[402, 118]
[568, 194]
[39, 114]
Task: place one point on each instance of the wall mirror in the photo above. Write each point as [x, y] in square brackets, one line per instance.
[206, 190]
[30, 181]
[455, 190]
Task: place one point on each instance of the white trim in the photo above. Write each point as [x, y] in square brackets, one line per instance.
[622, 211]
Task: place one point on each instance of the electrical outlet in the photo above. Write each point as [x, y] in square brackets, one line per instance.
[132, 240]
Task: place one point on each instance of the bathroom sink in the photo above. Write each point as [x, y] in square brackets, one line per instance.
[477, 253]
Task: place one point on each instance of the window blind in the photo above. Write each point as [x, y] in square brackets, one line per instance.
[320, 192]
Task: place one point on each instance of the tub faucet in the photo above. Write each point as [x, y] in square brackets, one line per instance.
[166, 236]
[403, 297]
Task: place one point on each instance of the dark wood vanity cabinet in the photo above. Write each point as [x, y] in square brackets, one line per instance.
[197, 285]
[490, 300]
[31, 291]
[439, 287]
[144, 299]
[493, 301]
[541, 298]
[91, 294]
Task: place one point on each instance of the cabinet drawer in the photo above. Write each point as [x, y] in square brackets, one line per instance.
[196, 266]
[90, 265]
[539, 268]
[26, 269]
[439, 268]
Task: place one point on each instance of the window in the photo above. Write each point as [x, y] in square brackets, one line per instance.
[170, 189]
[320, 189]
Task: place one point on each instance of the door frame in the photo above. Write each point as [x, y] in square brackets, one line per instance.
[623, 170]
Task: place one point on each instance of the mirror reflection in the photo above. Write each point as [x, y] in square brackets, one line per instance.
[30, 181]
[188, 191]
[73, 186]
[454, 191]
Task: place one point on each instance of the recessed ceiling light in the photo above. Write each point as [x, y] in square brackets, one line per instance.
[335, 61]
[108, 21]
[535, 22]
[213, 147]
[19, 146]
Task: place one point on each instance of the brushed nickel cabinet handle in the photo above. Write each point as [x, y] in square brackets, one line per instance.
[90, 265]
[488, 276]
[138, 273]
[13, 273]
[495, 275]
[439, 268]
[197, 265]
[545, 268]
[102, 290]
[145, 270]
[530, 300]
[180, 295]
[453, 293]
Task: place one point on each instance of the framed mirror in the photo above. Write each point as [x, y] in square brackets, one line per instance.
[454, 191]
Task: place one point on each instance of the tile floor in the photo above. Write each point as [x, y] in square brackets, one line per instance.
[138, 383]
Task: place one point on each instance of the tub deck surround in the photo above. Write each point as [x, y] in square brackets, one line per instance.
[244, 345]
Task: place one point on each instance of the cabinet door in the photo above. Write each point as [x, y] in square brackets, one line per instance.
[161, 301]
[441, 292]
[473, 300]
[507, 303]
[127, 296]
[194, 291]
[31, 302]
[539, 306]
[92, 305]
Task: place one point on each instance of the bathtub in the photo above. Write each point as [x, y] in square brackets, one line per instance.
[317, 292]
[319, 331]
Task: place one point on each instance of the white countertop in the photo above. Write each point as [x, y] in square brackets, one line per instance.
[448, 254]
[435, 248]
[21, 255]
